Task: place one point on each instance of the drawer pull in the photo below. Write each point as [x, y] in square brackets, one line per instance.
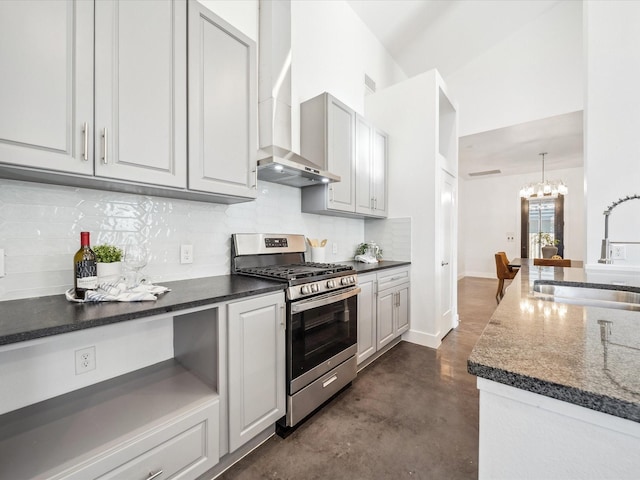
[152, 475]
[326, 383]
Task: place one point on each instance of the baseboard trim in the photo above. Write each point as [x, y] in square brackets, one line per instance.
[421, 338]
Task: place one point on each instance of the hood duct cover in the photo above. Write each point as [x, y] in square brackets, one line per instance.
[276, 162]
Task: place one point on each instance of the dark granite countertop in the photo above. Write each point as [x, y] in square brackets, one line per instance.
[584, 355]
[362, 268]
[30, 318]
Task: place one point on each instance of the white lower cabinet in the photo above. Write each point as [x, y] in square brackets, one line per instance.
[383, 309]
[257, 368]
[182, 450]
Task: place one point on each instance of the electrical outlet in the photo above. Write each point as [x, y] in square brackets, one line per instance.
[85, 360]
[334, 248]
[618, 252]
[186, 253]
[511, 237]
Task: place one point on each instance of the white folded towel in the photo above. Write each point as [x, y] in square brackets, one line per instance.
[118, 292]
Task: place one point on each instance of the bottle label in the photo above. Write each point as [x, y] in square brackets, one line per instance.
[87, 274]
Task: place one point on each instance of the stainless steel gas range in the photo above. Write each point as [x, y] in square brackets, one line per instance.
[322, 317]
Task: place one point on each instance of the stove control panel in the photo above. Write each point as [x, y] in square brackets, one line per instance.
[322, 286]
[271, 242]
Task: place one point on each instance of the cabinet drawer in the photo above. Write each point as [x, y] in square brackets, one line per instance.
[184, 448]
[393, 277]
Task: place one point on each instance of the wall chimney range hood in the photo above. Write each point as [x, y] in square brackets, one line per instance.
[276, 162]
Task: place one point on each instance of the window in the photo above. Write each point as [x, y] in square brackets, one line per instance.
[540, 216]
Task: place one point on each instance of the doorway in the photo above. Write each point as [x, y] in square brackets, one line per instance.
[541, 217]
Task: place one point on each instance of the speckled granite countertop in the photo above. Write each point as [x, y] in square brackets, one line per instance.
[588, 356]
[362, 268]
[22, 320]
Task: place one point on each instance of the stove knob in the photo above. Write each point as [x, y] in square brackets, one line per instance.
[314, 288]
[352, 280]
[344, 281]
[331, 284]
[305, 290]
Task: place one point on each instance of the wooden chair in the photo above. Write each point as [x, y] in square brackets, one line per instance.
[503, 272]
[552, 262]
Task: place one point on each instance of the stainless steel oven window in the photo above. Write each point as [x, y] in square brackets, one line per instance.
[319, 333]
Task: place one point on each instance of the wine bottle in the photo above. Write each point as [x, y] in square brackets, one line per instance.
[84, 264]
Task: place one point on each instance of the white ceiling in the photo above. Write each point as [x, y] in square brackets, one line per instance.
[447, 34]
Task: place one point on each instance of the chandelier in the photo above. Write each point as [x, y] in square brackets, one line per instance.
[545, 188]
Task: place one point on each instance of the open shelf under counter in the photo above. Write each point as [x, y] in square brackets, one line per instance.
[115, 426]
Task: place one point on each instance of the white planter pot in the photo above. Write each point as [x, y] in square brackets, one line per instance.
[109, 272]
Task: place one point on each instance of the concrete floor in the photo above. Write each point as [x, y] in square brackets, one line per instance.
[413, 413]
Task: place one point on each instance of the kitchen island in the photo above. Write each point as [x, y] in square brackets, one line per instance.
[559, 384]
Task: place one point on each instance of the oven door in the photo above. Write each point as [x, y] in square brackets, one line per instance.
[321, 333]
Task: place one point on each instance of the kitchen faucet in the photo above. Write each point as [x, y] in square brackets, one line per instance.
[605, 253]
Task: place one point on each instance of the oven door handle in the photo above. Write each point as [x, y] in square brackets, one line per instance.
[325, 300]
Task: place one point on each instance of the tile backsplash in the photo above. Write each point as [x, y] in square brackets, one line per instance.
[40, 229]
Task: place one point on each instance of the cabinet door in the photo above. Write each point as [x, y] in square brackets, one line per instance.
[364, 194]
[385, 324]
[340, 155]
[367, 341]
[402, 309]
[256, 330]
[222, 106]
[46, 85]
[379, 173]
[140, 91]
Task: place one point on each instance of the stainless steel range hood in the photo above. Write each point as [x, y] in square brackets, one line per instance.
[276, 162]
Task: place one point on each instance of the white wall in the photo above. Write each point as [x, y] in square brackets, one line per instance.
[536, 72]
[490, 208]
[612, 120]
[408, 112]
[332, 50]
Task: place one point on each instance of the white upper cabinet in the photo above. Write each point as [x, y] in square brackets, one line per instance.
[141, 91]
[94, 95]
[371, 169]
[222, 106]
[337, 139]
[340, 151]
[46, 85]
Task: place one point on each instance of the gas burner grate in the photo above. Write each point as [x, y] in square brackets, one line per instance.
[295, 271]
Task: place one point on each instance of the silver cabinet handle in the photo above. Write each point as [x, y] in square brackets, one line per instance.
[371, 205]
[444, 263]
[282, 316]
[328, 382]
[105, 148]
[255, 178]
[85, 141]
[375, 203]
[152, 475]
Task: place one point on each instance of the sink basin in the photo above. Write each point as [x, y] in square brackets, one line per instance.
[605, 296]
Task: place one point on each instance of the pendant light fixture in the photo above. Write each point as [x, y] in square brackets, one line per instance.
[544, 188]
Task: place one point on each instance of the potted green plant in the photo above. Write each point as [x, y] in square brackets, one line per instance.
[108, 262]
[548, 244]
